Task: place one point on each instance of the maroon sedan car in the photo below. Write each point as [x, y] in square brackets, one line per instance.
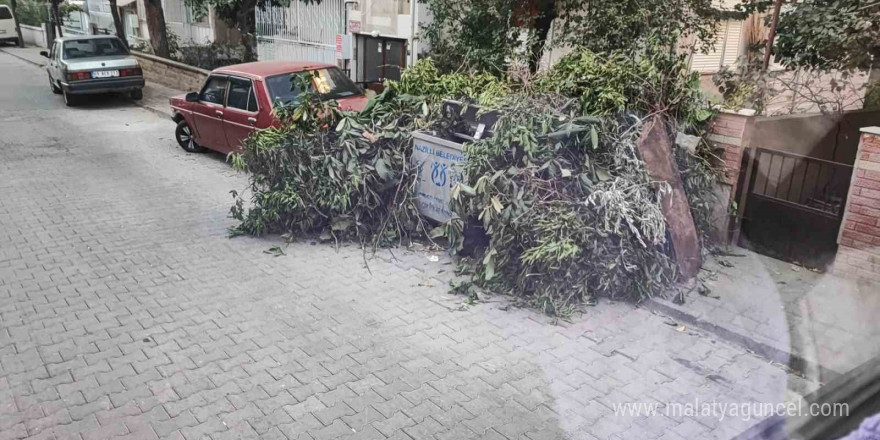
[236, 100]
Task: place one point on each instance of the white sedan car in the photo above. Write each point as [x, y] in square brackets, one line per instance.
[92, 64]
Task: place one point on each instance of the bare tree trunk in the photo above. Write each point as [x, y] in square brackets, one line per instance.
[156, 23]
[56, 16]
[543, 22]
[14, 6]
[117, 23]
[656, 151]
[771, 35]
[247, 26]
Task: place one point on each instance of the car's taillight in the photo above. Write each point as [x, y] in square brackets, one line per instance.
[131, 72]
[78, 76]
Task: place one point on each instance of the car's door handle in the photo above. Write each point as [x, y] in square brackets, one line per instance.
[252, 120]
[219, 113]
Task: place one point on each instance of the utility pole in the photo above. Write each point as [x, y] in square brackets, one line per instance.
[771, 35]
[414, 25]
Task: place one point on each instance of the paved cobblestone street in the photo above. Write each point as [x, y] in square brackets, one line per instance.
[126, 311]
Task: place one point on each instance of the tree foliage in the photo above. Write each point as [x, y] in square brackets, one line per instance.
[29, 12]
[338, 174]
[477, 35]
[626, 25]
[424, 79]
[647, 79]
[827, 34]
[489, 35]
[568, 206]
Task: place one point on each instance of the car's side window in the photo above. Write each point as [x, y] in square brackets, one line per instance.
[240, 95]
[214, 91]
[252, 101]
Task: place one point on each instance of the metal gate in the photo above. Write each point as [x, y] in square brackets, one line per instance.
[793, 206]
[302, 31]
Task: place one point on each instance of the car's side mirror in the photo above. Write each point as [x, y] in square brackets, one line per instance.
[192, 97]
[44, 53]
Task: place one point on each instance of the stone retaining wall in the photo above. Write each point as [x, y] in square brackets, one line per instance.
[170, 73]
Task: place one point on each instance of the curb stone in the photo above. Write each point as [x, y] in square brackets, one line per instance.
[774, 354]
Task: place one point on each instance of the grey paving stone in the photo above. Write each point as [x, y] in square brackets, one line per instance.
[119, 285]
[394, 423]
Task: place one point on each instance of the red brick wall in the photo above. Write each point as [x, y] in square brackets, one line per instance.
[730, 134]
[859, 253]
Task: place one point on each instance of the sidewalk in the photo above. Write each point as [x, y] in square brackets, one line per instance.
[817, 323]
[155, 95]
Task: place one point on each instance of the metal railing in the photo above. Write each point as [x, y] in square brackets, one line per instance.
[301, 31]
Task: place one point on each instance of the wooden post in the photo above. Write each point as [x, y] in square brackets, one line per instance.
[656, 150]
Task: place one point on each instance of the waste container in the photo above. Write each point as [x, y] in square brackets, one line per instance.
[439, 163]
[440, 160]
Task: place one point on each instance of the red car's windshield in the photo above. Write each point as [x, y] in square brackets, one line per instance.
[329, 82]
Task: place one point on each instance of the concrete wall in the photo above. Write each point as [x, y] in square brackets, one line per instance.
[171, 73]
[34, 35]
[380, 16]
[832, 137]
[858, 255]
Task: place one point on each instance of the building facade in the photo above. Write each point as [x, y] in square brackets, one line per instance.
[372, 40]
[179, 21]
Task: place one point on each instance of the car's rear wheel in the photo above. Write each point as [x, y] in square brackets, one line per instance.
[70, 100]
[55, 89]
[137, 94]
[184, 136]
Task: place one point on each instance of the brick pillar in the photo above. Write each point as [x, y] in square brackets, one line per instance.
[729, 135]
[858, 255]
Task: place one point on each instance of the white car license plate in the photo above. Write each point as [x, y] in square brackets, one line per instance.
[105, 74]
[2, 31]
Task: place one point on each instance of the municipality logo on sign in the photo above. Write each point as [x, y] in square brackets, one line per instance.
[438, 173]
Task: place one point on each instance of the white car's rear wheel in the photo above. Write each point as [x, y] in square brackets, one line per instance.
[55, 89]
[69, 100]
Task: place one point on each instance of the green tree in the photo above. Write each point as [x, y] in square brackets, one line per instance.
[830, 34]
[240, 14]
[29, 12]
[488, 34]
[606, 25]
[480, 35]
